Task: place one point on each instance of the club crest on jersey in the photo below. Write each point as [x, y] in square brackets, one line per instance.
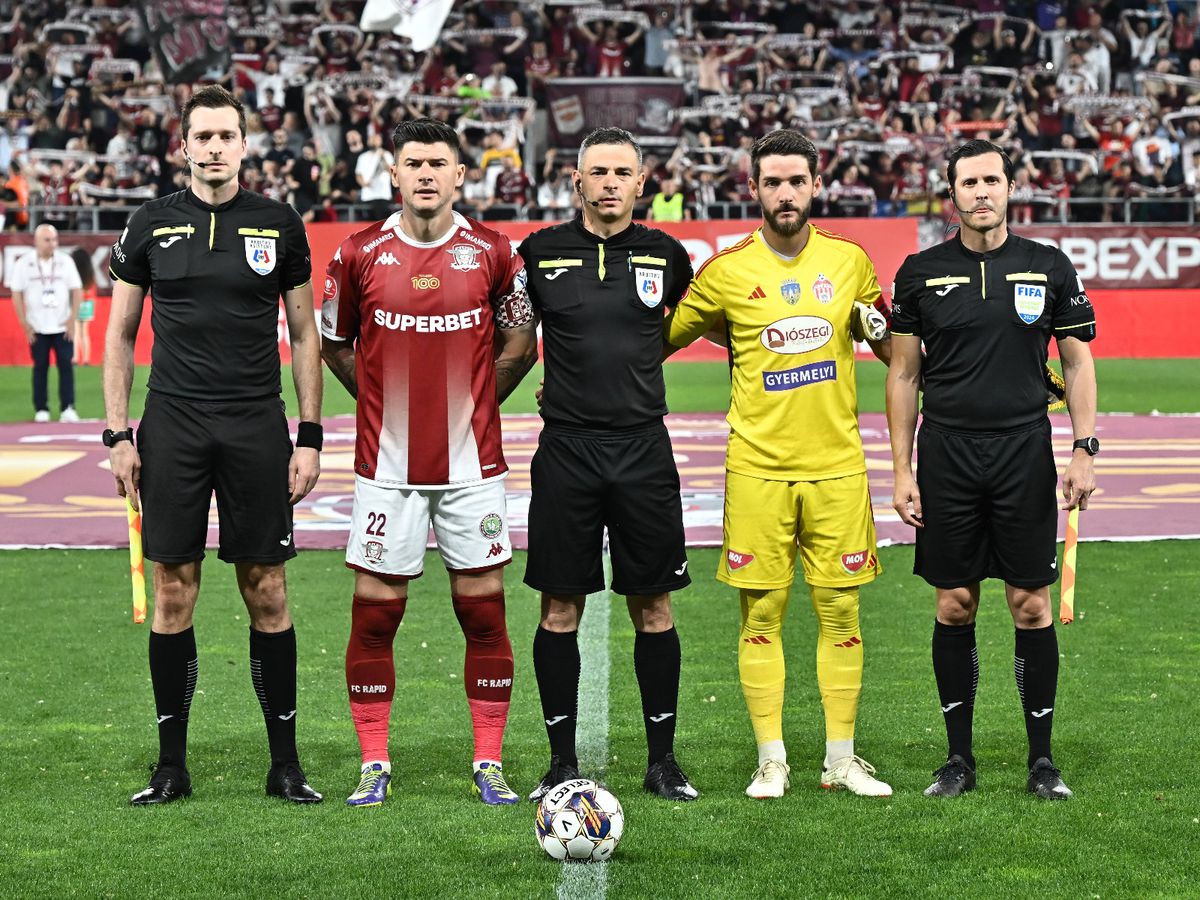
[464, 257]
[260, 254]
[823, 289]
[491, 525]
[1030, 301]
[790, 290]
[373, 551]
[649, 286]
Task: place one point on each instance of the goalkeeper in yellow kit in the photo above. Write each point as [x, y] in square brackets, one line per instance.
[790, 298]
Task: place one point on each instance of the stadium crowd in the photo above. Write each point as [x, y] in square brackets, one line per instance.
[1097, 102]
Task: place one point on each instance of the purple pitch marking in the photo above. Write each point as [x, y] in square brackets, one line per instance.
[56, 490]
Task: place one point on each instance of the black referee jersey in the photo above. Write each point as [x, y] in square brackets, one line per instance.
[602, 302]
[215, 274]
[986, 320]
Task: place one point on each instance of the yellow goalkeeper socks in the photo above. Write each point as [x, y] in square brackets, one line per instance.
[839, 659]
[760, 662]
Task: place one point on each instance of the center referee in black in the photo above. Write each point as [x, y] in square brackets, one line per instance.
[216, 260]
[986, 303]
[601, 286]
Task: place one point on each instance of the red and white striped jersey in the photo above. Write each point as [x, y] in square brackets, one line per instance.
[423, 317]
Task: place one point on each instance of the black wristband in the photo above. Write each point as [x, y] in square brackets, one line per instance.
[310, 434]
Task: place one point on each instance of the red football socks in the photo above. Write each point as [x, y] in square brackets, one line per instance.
[488, 670]
[371, 672]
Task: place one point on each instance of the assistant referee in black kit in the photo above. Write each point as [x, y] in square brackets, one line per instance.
[601, 286]
[986, 303]
[216, 260]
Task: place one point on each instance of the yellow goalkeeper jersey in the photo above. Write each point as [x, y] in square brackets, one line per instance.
[793, 414]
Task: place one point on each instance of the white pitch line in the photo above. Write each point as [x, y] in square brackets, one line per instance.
[589, 880]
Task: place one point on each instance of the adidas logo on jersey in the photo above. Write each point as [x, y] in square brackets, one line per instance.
[386, 259]
[757, 294]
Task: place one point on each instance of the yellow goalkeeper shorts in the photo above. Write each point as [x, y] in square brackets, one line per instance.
[828, 521]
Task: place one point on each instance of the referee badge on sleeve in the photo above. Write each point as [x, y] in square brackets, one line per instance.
[649, 286]
[260, 254]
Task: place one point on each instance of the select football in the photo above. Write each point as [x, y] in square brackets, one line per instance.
[580, 820]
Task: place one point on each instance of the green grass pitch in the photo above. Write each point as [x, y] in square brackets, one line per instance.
[78, 733]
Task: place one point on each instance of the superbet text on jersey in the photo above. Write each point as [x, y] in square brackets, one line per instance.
[423, 319]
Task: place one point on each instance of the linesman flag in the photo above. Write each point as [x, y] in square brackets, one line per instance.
[1066, 596]
[136, 565]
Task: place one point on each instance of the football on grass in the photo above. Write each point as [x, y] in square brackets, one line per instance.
[579, 820]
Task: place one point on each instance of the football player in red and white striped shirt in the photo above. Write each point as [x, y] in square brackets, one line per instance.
[427, 323]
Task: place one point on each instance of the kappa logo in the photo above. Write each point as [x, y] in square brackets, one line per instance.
[947, 289]
[171, 240]
[738, 560]
[550, 276]
[386, 259]
[496, 550]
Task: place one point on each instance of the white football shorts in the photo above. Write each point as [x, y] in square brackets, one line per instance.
[389, 528]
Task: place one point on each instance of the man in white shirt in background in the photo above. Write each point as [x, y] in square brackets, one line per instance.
[373, 172]
[46, 293]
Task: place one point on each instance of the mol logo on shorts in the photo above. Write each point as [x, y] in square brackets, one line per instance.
[1029, 301]
[738, 560]
[491, 525]
[855, 562]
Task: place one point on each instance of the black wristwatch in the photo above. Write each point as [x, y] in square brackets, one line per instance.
[112, 438]
[1089, 445]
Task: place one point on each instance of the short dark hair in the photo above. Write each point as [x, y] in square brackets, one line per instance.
[212, 96]
[978, 147]
[426, 131]
[609, 136]
[785, 142]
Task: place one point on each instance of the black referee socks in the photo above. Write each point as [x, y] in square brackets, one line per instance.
[273, 671]
[556, 665]
[173, 669]
[956, 668]
[656, 660]
[1035, 663]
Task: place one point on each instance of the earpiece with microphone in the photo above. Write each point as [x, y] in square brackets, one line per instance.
[583, 196]
[195, 162]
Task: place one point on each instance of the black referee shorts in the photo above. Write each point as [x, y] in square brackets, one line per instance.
[583, 483]
[241, 450]
[989, 506]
